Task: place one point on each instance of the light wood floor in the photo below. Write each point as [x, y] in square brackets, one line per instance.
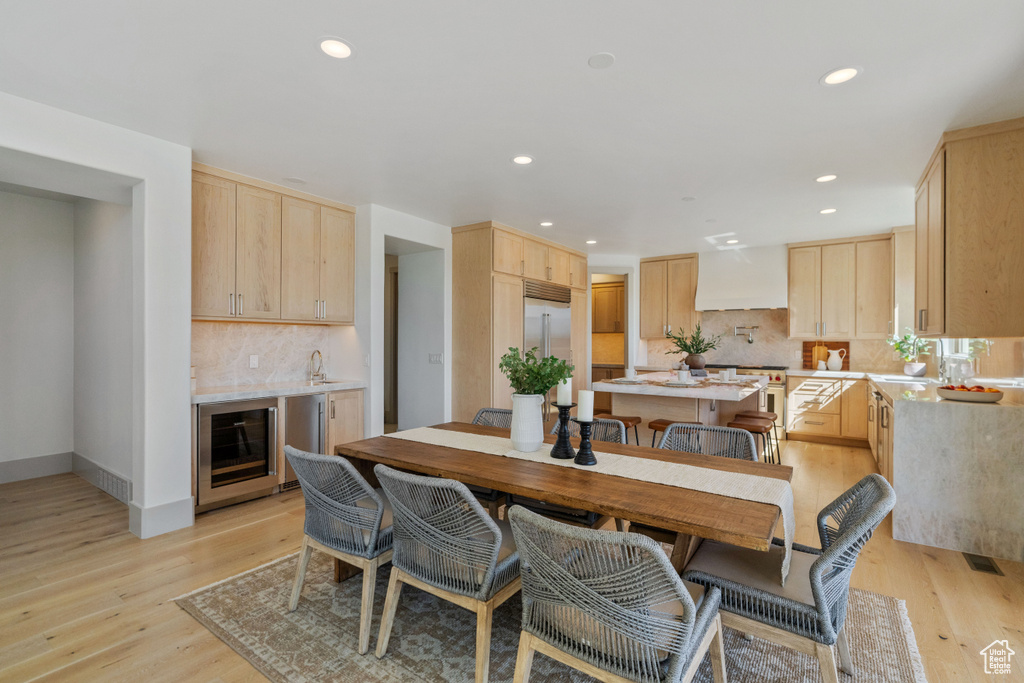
[81, 599]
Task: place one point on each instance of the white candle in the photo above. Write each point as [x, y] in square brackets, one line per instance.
[585, 409]
[564, 395]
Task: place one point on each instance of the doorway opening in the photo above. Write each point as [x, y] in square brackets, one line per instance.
[390, 343]
[609, 338]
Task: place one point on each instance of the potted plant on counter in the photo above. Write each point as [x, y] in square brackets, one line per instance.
[911, 347]
[695, 346]
[531, 379]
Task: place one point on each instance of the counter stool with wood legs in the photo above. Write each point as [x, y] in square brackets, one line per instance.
[762, 428]
[772, 417]
[629, 421]
[661, 425]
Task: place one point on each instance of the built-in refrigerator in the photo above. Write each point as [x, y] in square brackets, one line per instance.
[547, 325]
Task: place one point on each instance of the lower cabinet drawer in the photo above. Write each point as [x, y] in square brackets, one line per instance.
[815, 423]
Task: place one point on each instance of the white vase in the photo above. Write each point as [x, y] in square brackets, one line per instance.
[527, 422]
[835, 359]
[914, 369]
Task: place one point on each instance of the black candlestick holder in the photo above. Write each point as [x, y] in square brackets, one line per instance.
[585, 456]
[562, 448]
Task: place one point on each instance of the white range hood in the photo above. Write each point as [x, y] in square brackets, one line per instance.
[731, 279]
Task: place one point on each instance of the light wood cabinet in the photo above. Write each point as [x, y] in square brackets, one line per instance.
[578, 342]
[608, 307]
[260, 254]
[825, 407]
[875, 284]
[854, 409]
[929, 262]
[970, 232]
[213, 246]
[507, 250]
[841, 289]
[490, 263]
[668, 287]
[337, 265]
[344, 418]
[577, 271]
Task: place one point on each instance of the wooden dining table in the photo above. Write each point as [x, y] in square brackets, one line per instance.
[688, 514]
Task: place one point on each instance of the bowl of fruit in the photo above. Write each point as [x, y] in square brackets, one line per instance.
[975, 394]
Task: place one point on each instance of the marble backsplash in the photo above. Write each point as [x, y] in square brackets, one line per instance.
[220, 352]
[772, 346]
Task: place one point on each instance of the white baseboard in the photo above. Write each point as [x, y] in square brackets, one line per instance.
[113, 484]
[160, 519]
[35, 467]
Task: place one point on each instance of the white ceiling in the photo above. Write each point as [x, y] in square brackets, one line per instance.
[714, 100]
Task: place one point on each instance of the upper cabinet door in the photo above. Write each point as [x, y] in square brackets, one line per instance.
[605, 308]
[874, 296]
[258, 253]
[535, 256]
[805, 292]
[653, 276]
[681, 292]
[930, 262]
[577, 271]
[507, 252]
[558, 266]
[300, 259]
[838, 293]
[213, 246]
[337, 265]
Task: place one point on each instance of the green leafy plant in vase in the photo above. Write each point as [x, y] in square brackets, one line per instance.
[531, 379]
[694, 345]
[911, 347]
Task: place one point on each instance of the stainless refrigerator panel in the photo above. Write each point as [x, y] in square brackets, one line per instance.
[305, 426]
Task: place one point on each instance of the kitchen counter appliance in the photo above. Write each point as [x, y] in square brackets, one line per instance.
[547, 324]
[773, 398]
[237, 452]
[304, 429]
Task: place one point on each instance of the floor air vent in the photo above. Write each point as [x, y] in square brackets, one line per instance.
[980, 563]
[289, 485]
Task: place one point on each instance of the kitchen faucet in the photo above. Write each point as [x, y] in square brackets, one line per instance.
[319, 373]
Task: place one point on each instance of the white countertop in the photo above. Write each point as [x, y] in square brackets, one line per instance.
[923, 390]
[708, 390]
[271, 390]
[826, 374]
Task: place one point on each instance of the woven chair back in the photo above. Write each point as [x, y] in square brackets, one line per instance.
[611, 599]
[613, 431]
[494, 417]
[332, 488]
[442, 536]
[726, 442]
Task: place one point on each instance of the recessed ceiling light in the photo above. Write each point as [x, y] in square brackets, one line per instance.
[295, 181]
[546, 224]
[689, 199]
[826, 178]
[522, 160]
[602, 60]
[336, 48]
[827, 211]
[591, 241]
[837, 76]
[732, 241]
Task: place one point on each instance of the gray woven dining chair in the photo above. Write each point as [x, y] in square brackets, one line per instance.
[609, 431]
[347, 519]
[603, 430]
[725, 442]
[491, 417]
[448, 546]
[809, 613]
[611, 605]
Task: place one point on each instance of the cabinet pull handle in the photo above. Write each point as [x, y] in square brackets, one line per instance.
[823, 332]
[241, 307]
[871, 413]
[231, 304]
[924, 325]
[323, 309]
[522, 267]
[814, 423]
[332, 408]
[817, 329]
[920, 320]
[890, 327]
[316, 309]
[669, 329]
[570, 279]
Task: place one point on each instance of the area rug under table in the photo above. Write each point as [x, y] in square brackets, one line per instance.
[435, 641]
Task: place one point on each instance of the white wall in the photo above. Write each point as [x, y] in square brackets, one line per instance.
[350, 345]
[36, 332]
[161, 290]
[421, 332]
[103, 335]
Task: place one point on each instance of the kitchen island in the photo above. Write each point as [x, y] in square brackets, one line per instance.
[708, 400]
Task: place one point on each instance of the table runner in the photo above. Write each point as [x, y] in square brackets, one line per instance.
[750, 487]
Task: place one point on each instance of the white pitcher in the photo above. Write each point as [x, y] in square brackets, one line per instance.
[527, 422]
[835, 359]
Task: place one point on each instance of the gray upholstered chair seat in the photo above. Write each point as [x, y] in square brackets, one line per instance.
[384, 536]
[756, 569]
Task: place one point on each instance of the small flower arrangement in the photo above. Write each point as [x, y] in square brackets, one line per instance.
[529, 374]
[909, 346]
